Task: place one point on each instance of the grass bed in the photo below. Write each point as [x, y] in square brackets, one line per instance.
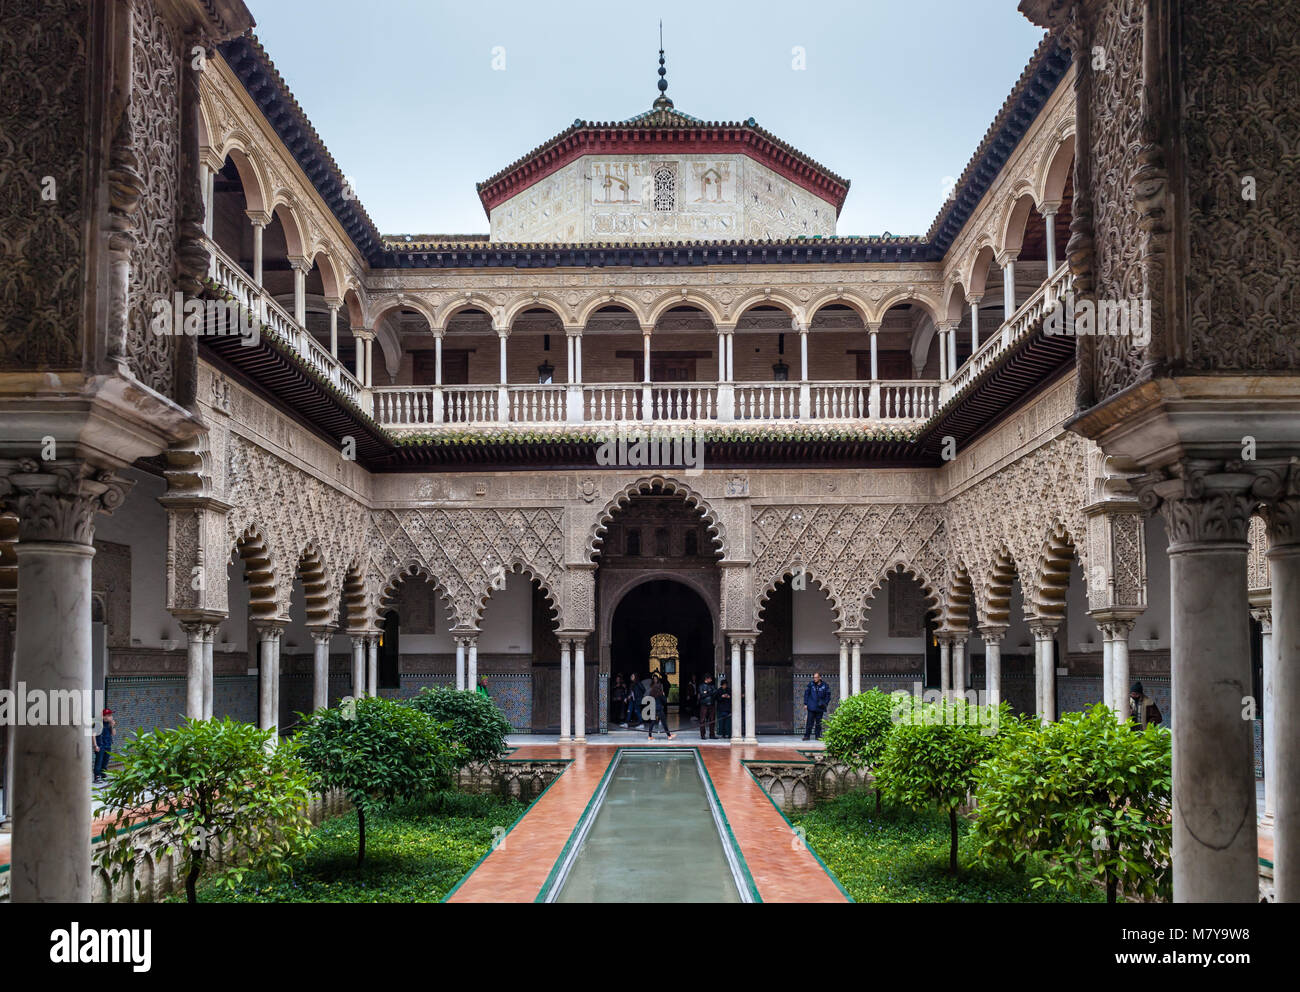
[899, 855]
[415, 852]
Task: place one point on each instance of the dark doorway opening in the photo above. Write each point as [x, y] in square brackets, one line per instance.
[662, 606]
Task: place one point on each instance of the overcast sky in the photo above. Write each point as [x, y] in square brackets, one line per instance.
[893, 96]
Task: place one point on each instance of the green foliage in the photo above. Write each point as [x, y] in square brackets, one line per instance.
[857, 731]
[225, 800]
[933, 753]
[1090, 795]
[418, 851]
[378, 751]
[901, 856]
[476, 723]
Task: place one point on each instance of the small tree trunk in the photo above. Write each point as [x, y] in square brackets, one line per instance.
[192, 879]
[952, 850]
[361, 831]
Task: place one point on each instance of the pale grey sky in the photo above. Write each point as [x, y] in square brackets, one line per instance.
[894, 96]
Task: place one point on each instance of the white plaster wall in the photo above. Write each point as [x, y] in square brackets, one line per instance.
[507, 624]
[814, 623]
[141, 523]
[1155, 624]
[876, 621]
[744, 199]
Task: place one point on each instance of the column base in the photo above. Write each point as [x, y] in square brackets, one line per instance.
[751, 740]
[579, 740]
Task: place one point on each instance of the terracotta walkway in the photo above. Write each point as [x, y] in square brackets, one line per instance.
[782, 870]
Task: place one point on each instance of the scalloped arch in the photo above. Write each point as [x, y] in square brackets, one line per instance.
[648, 485]
[899, 566]
[519, 567]
[254, 550]
[832, 596]
[416, 569]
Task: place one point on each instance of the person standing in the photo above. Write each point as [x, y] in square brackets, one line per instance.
[103, 742]
[659, 694]
[635, 692]
[724, 708]
[1142, 708]
[708, 709]
[482, 688]
[816, 697]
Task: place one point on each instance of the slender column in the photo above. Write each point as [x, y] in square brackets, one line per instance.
[945, 666]
[577, 356]
[993, 664]
[258, 227]
[1044, 671]
[579, 691]
[566, 693]
[722, 357]
[1207, 515]
[52, 764]
[320, 668]
[737, 688]
[803, 353]
[372, 665]
[208, 689]
[645, 356]
[855, 657]
[471, 665]
[943, 356]
[437, 359]
[1048, 211]
[1119, 668]
[501, 337]
[370, 360]
[460, 663]
[844, 668]
[358, 667]
[873, 331]
[751, 726]
[268, 710]
[958, 665]
[570, 361]
[1108, 671]
[1267, 709]
[1284, 566]
[209, 190]
[974, 300]
[194, 669]
[731, 356]
[952, 350]
[1009, 285]
[334, 328]
[300, 267]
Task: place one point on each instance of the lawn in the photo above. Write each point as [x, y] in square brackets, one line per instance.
[414, 853]
[902, 856]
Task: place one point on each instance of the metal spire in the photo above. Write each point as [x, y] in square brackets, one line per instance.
[662, 102]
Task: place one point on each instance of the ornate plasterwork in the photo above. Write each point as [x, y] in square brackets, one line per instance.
[44, 116]
[848, 550]
[57, 501]
[1239, 94]
[660, 484]
[470, 552]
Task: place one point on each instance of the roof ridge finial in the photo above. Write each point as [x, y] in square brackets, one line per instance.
[661, 101]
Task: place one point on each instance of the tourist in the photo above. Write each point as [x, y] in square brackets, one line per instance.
[635, 692]
[619, 700]
[708, 709]
[103, 744]
[482, 687]
[659, 693]
[724, 708]
[816, 697]
[1142, 708]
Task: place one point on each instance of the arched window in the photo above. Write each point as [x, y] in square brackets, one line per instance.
[665, 188]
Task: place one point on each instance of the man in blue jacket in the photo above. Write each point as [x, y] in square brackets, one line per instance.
[815, 700]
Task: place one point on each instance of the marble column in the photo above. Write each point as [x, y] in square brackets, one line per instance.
[844, 668]
[1284, 566]
[566, 693]
[855, 657]
[993, 664]
[300, 267]
[1009, 285]
[268, 670]
[334, 328]
[944, 373]
[873, 332]
[1267, 706]
[952, 350]
[1119, 686]
[945, 666]
[1044, 671]
[1108, 669]
[320, 668]
[751, 726]
[471, 665]
[208, 671]
[737, 701]
[460, 662]
[1207, 515]
[1048, 212]
[194, 635]
[958, 665]
[258, 227]
[579, 691]
[359, 667]
[372, 665]
[974, 301]
[56, 503]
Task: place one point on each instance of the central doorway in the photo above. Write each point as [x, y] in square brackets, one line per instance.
[664, 606]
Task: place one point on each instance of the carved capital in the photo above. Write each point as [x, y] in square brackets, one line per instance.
[1208, 501]
[57, 501]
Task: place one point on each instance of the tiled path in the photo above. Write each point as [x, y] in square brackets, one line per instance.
[782, 870]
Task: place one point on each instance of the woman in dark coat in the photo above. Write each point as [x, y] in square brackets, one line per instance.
[659, 693]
